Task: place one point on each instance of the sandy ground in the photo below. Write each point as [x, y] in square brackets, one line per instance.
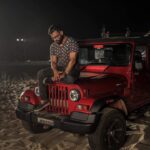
[14, 137]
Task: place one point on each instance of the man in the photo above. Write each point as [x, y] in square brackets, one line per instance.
[64, 65]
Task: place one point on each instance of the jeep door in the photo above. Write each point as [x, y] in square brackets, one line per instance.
[141, 76]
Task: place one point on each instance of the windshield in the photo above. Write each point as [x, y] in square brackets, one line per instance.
[113, 55]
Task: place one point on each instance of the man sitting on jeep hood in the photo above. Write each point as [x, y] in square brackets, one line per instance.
[64, 64]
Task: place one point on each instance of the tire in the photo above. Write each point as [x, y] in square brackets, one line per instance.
[110, 133]
[35, 128]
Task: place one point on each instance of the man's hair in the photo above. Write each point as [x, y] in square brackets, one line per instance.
[53, 28]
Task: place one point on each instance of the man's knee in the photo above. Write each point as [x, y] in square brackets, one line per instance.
[44, 72]
[40, 73]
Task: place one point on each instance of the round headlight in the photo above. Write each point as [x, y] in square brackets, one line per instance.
[74, 95]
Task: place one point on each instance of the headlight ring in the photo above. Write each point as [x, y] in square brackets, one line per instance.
[74, 95]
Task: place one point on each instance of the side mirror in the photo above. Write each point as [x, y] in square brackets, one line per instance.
[138, 61]
[138, 66]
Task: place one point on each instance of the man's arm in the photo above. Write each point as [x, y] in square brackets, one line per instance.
[54, 63]
[73, 59]
[54, 67]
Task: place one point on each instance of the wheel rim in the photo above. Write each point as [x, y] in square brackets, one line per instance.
[115, 134]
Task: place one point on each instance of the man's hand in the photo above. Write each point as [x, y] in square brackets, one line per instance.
[62, 75]
[56, 76]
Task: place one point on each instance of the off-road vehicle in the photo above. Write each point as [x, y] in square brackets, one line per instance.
[114, 81]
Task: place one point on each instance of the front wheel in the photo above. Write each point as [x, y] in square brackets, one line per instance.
[35, 128]
[110, 133]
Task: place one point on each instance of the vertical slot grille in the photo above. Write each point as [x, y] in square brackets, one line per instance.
[58, 97]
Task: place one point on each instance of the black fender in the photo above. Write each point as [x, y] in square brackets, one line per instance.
[99, 104]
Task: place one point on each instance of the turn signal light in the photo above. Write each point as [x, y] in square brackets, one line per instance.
[83, 107]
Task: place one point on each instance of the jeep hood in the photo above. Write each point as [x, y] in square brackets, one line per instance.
[90, 75]
[102, 84]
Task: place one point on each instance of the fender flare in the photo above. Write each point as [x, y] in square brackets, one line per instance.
[114, 102]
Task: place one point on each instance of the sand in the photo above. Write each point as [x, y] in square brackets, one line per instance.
[14, 137]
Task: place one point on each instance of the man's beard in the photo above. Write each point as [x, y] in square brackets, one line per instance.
[60, 40]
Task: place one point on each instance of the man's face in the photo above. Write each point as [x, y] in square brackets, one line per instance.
[57, 36]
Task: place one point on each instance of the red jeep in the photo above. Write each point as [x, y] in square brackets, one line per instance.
[114, 81]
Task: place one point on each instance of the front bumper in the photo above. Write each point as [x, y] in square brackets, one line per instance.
[76, 123]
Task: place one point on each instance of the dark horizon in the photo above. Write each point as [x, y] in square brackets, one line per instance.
[30, 20]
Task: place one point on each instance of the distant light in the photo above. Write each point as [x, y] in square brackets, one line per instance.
[17, 40]
[20, 40]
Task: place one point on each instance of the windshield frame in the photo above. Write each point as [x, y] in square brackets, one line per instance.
[131, 44]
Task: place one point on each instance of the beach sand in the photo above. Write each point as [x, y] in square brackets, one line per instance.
[14, 137]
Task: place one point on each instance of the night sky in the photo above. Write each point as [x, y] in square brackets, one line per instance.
[30, 19]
